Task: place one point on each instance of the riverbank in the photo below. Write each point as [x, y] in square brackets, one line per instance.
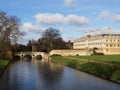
[3, 65]
[102, 70]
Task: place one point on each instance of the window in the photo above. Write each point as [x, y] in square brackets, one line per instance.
[114, 45]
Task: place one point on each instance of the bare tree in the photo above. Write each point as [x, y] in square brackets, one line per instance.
[51, 39]
[9, 32]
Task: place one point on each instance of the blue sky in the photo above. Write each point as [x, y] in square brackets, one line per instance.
[72, 17]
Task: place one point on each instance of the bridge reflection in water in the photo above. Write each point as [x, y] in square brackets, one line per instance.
[44, 75]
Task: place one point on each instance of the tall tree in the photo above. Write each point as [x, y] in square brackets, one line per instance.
[29, 45]
[51, 39]
[9, 32]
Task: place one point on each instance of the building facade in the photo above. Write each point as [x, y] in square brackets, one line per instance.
[107, 44]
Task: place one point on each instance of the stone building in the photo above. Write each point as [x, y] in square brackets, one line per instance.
[104, 43]
[34, 48]
[69, 45]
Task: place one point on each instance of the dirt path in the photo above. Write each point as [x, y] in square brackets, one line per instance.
[101, 62]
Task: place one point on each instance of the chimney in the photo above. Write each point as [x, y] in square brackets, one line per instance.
[92, 33]
[97, 32]
[109, 31]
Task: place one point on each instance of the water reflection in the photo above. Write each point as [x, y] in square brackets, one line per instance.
[44, 75]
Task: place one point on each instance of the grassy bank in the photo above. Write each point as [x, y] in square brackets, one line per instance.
[104, 58]
[101, 70]
[3, 64]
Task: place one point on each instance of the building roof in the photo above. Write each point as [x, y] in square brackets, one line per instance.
[89, 36]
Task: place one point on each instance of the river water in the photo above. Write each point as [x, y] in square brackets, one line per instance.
[44, 75]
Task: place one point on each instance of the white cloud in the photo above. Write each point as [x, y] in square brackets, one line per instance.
[76, 20]
[116, 18]
[112, 16]
[69, 2]
[28, 27]
[61, 30]
[52, 19]
[104, 14]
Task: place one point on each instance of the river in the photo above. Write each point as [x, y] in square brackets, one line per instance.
[44, 75]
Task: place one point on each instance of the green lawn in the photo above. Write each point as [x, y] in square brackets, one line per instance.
[102, 70]
[66, 61]
[105, 58]
[3, 64]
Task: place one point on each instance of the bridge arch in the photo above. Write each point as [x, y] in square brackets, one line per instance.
[38, 57]
[34, 55]
[27, 57]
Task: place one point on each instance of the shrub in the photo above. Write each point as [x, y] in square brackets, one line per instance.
[56, 55]
[9, 55]
[97, 54]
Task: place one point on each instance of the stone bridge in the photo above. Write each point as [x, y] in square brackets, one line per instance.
[65, 52]
[33, 54]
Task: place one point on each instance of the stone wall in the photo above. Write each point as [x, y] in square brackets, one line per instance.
[69, 52]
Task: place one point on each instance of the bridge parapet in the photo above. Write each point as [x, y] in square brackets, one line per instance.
[33, 54]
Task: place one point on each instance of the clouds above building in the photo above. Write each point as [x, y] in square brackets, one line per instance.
[71, 17]
[76, 20]
[110, 16]
[50, 19]
[53, 19]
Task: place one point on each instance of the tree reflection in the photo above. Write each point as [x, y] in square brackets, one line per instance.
[51, 72]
